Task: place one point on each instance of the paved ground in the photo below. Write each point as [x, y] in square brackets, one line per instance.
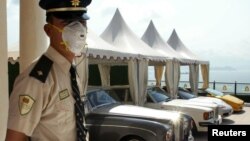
[236, 118]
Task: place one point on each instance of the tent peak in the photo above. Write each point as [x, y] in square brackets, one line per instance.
[117, 25]
[120, 35]
[175, 42]
[152, 26]
[174, 35]
[152, 37]
[151, 22]
[117, 12]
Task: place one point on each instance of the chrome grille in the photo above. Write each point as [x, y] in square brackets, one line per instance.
[216, 113]
[179, 130]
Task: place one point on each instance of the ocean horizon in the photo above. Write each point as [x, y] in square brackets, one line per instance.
[228, 76]
[225, 80]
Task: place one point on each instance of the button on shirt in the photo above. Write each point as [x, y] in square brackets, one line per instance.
[44, 111]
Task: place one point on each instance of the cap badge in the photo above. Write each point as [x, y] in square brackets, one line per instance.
[75, 3]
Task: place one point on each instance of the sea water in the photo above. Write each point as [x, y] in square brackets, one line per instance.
[225, 80]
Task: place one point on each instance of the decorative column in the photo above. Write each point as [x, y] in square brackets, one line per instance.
[33, 40]
[4, 94]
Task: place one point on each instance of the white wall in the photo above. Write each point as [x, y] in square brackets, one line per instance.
[33, 40]
[4, 102]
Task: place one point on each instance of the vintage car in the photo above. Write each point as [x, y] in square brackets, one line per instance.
[236, 103]
[107, 119]
[157, 99]
[225, 109]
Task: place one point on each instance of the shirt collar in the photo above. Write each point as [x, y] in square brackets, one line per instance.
[60, 60]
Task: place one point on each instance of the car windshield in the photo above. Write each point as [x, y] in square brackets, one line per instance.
[186, 95]
[157, 94]
[183, 89]
[214, 92]
[100, 97]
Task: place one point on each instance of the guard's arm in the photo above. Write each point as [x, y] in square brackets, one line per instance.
[15, 136]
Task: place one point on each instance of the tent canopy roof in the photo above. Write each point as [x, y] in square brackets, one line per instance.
[121, 36]
[152, 37]
[98, 48]
[175, 42]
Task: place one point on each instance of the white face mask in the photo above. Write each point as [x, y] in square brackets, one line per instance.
[74, 37]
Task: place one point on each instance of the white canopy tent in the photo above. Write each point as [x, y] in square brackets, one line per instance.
[172, 72]
[98, 48]
[121, 36]
[175, 42]
[104, 54]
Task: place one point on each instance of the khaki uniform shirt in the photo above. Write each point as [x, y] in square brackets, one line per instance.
[44, 111]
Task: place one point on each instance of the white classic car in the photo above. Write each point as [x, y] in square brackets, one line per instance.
[225, 109]
[202, 116]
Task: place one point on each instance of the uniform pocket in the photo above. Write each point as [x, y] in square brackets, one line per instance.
[65, 111]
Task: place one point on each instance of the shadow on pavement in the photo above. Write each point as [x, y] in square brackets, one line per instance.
[202, 136]
[227, 121]
[240, 112]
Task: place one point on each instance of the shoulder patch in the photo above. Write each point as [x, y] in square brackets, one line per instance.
[25, 104]
[42, 68]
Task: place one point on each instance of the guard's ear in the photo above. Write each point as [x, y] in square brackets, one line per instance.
[47, 29]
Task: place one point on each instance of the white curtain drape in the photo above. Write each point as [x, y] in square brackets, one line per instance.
[176, 78]
[142, 80]
[194, 77]
[205, 75]
[172, 77]
[83, 72]
[105, 74]
[133, 80]
[158, 74]
[169, 78]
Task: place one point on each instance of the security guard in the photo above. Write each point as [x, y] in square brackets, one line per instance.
[41, 103]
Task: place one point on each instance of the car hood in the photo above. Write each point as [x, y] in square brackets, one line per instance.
[232, 99]
[179, 104]
[136, 111]
[210, 100]
[188, 102]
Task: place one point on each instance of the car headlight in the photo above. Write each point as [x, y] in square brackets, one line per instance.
[208, 115]
[169, 135]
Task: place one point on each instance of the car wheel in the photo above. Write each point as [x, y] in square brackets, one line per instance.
[194, 130]
[133, 138]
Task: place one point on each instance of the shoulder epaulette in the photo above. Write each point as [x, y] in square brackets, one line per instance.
[42, 68]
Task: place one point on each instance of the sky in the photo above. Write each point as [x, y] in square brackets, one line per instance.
[215, 30]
